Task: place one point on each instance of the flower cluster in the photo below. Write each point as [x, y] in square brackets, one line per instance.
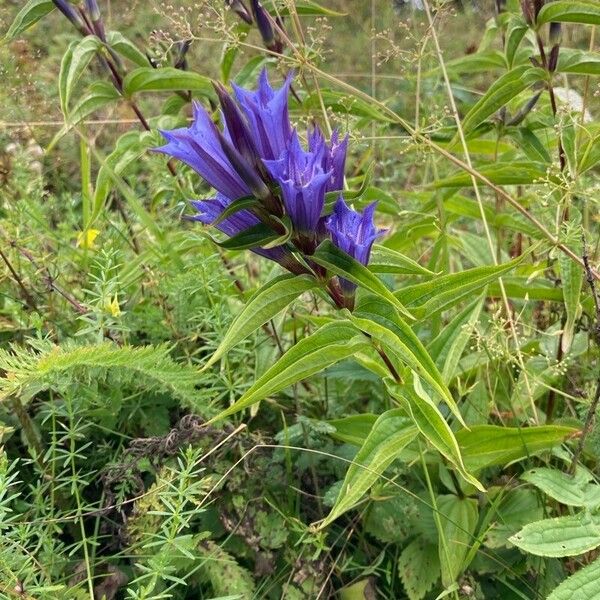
[268, 183]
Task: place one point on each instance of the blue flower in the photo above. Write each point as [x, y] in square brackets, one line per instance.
[199, 146]
[208, 211]
[300, 175]
[267, 114]
[354, 233]
[334, 156]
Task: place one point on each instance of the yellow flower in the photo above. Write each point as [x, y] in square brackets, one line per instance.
[112, 306]
[86, 239]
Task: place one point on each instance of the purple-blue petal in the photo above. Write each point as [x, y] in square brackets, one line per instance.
[199, 147]
[267, 114]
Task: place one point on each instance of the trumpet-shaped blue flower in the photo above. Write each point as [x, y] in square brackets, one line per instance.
[208, 211]
[199, 146]
[354, 233]
[300, 175]
[334, 156]
[267, 114]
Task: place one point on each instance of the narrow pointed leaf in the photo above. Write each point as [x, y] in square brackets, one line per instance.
[431, 424]
[74, 63]
[27, 17]
[384, 324]
[166, 79]
[500, 93]
[570, 11]
[386, 260]
[389, 435]
[431, 297]
[458, 518]
[268, 302]
[447, 348]
[330, 344]
[490, 445]
[339, 263]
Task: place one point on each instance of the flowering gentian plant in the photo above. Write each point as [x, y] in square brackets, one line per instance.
[268, 183]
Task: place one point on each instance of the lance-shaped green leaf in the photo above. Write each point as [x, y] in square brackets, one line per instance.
[390, 434]
[327, 346]
[571, 276]
[386, 260]
[259, 235]
[383, 323]
[447, 348]
[353, 429]
[128, 149]
[578, 61]
[339, 263]
[458, 518]
[431, 297]
[583, 585]
[74, 62]
[268, 302]
[564, 536]
[27, 17]
[515, 32]
[570, 11]
[488, 445]
[99, 95]
[126, 48]
[572, 490]
[500, 93]
[166, 79]
[431, 423]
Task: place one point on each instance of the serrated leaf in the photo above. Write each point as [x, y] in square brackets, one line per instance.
[431, 424]
[27, 17]
[488, 445]
[328, 345]
[513, 510]
[569, 11]
[431, 297]
[390, 434]
[267, 303]
[166, 79]
[563, 536]
[458, 517]
[500, 93]
[419, 568]
[339, 263]
[570, 490]
[582, 585]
